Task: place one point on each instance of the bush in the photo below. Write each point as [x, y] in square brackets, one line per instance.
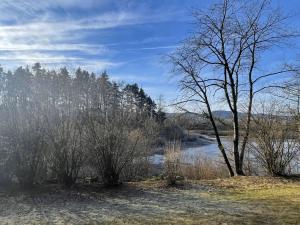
[6, 170]
[66, 150]
[118, 148]
[272, 146]
[25, 146]
[172, 163]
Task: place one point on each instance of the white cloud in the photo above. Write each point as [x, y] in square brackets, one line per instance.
[14, 59]
[30, 58]
[60, 30]
[38, 34]
[28, 42]
[155, 47]
[26, 9]
[88, 48]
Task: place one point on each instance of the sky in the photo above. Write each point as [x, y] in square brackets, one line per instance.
[127, 38]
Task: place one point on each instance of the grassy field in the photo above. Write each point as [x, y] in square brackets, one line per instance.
[240, 200]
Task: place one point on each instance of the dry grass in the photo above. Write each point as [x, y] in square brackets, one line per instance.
[172, 165]
[203, 168]
[241, 183]
[275, 198]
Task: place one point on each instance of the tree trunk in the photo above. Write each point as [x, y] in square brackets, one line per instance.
[220, 146]
[238, 163]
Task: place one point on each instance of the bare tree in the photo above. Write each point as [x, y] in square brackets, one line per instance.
[221, 62]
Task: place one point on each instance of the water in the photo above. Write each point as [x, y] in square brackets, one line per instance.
[210, 150]
[157, 159]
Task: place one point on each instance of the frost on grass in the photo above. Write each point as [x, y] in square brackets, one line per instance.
[151, 202]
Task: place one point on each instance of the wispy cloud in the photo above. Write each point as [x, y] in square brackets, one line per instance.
[88, 48]
[28, 9]
[155, 47]
[55, 61]
[59, 30]
[50, 31]
[53, 35]
[35, 37]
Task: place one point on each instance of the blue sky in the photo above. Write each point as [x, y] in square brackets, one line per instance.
[128, 38]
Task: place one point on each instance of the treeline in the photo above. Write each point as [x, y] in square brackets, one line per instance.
[55, 126]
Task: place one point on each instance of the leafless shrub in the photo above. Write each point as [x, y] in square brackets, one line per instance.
[272, 146]
[66, 149]
[140, 166]
[173, 162]
[116, 146]
[6, 171]
[24, 140]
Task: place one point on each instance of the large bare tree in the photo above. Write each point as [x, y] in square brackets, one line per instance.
[222, 61]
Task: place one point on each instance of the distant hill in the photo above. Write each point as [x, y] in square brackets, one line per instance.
[222, 114]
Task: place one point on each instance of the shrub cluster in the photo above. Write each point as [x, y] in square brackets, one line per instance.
[55, 125]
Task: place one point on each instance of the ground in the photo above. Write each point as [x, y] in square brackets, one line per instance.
[241, 200]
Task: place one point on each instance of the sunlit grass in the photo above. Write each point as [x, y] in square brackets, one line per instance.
[264, 201]
[276, 200]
